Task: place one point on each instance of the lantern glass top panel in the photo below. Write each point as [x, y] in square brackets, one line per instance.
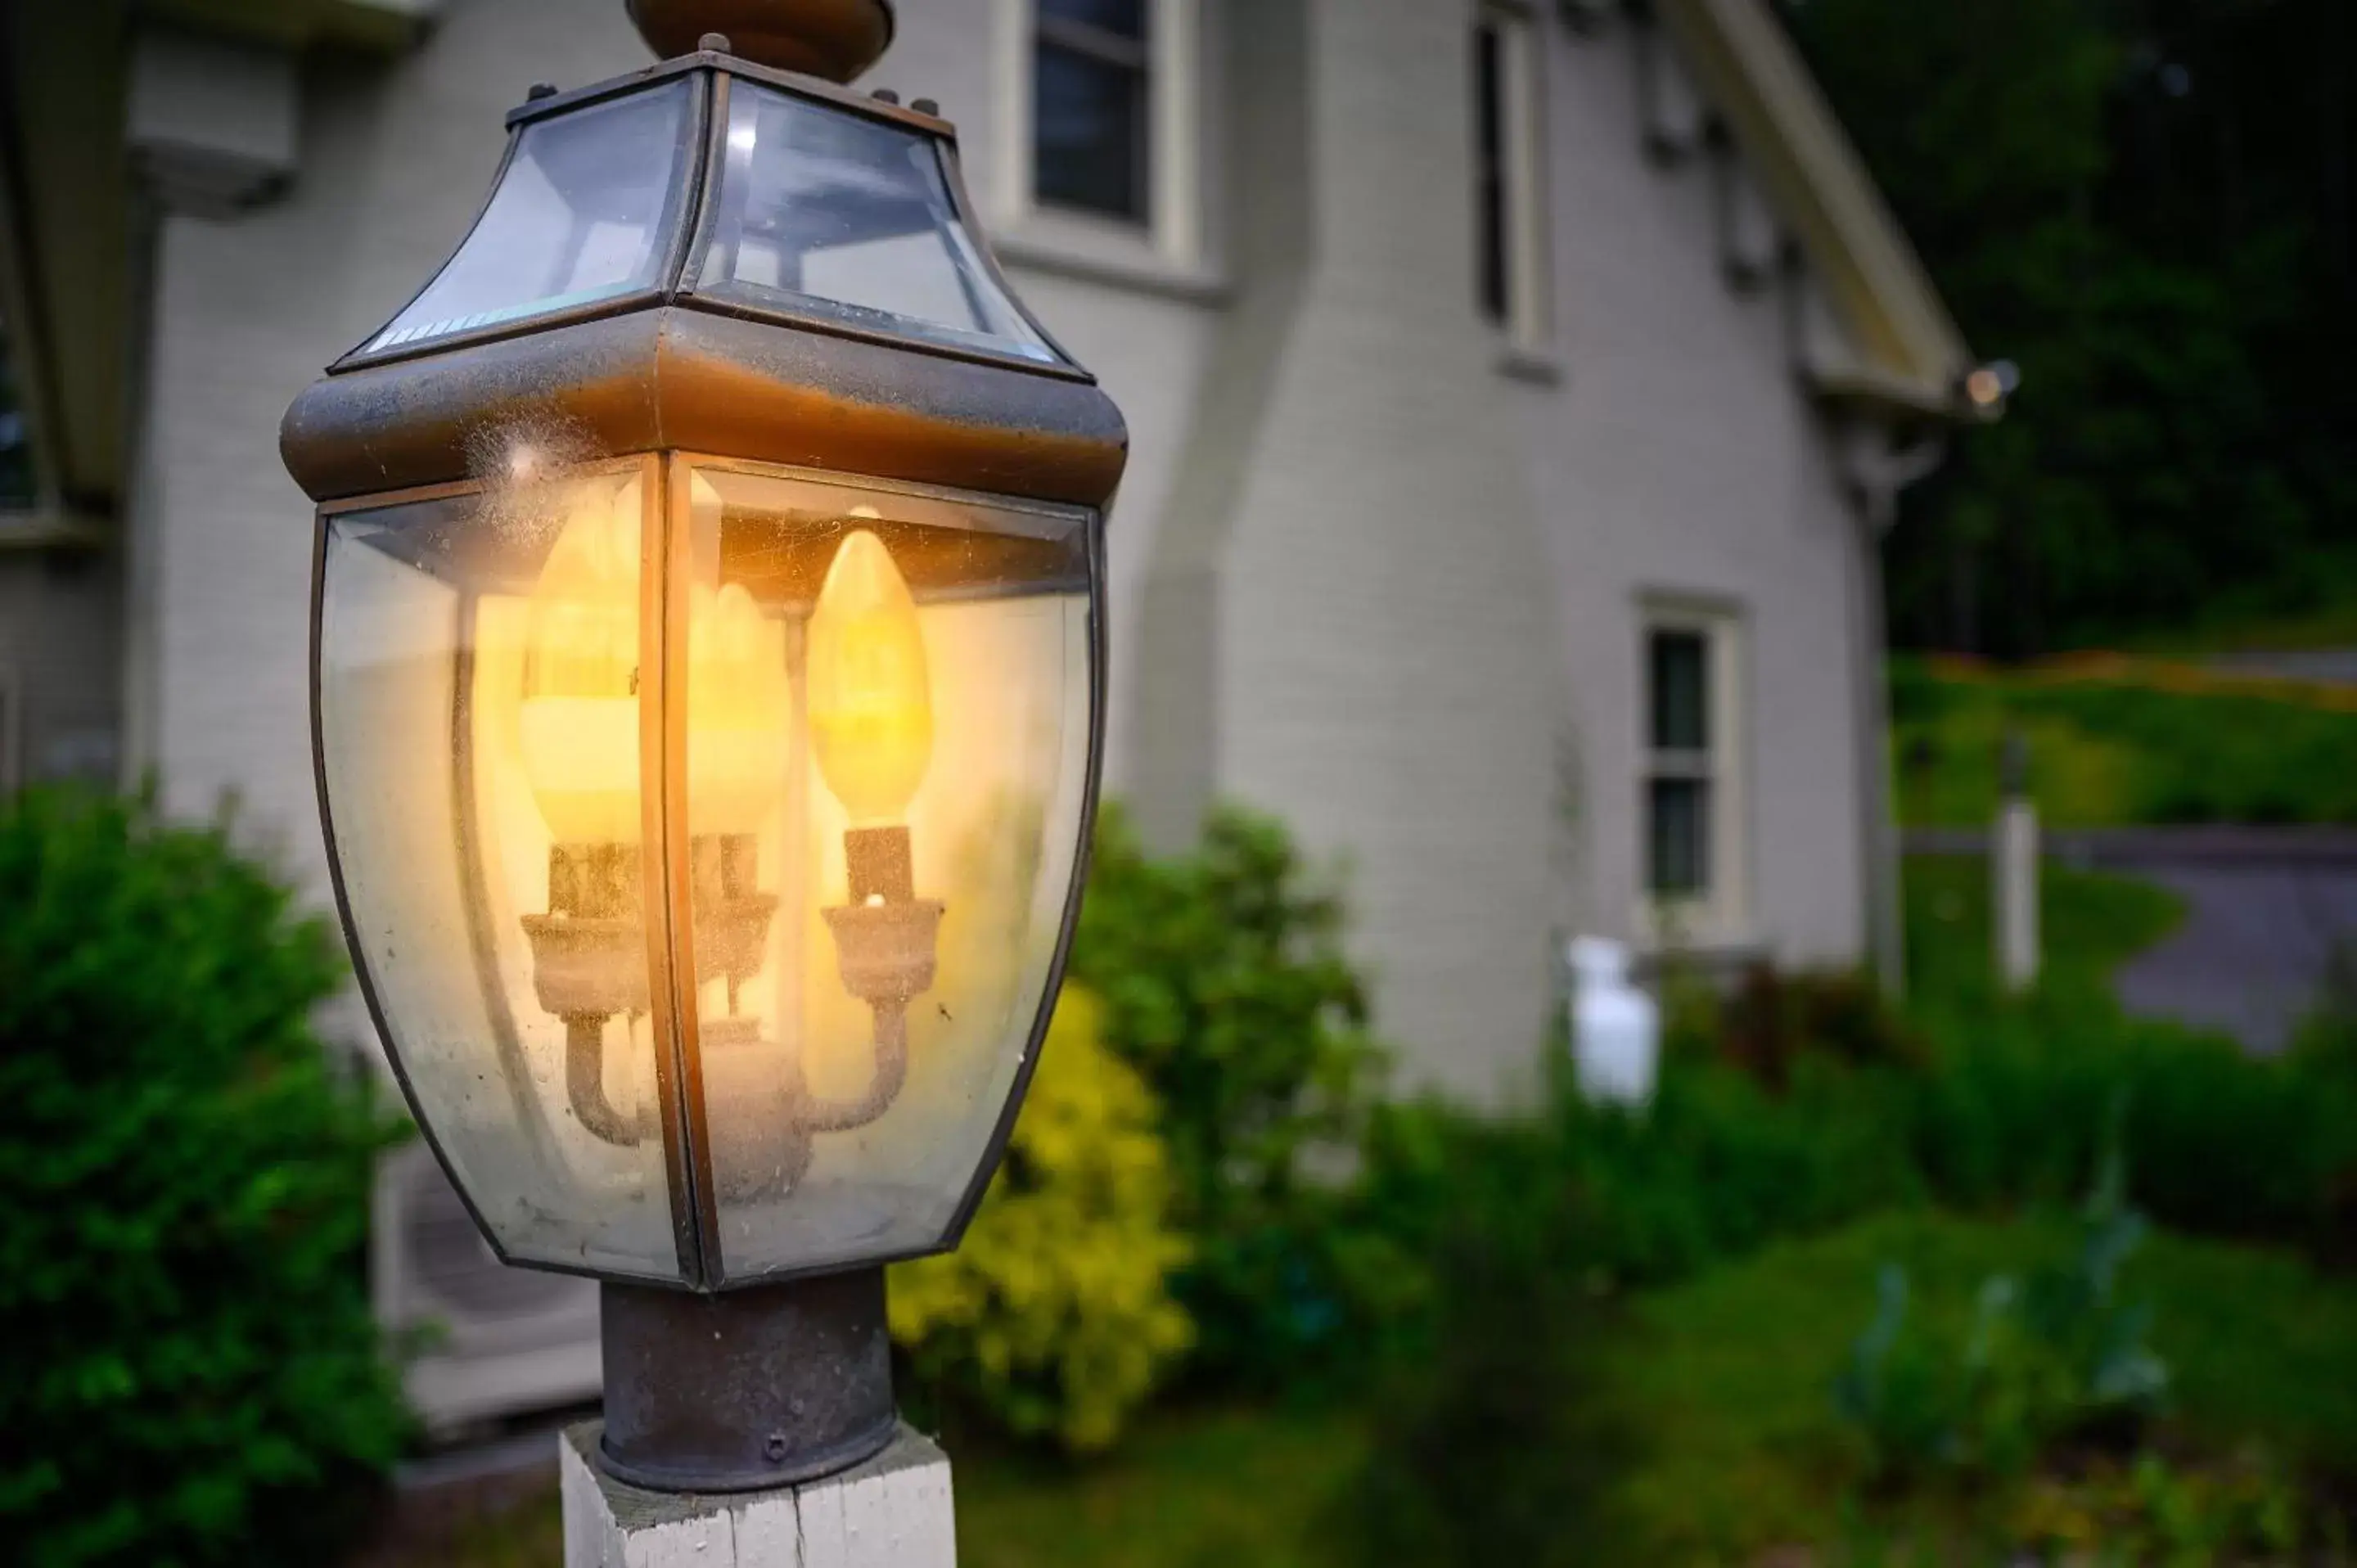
[743, 196]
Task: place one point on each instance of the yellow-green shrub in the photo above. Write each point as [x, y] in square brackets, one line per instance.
[1055, 1317]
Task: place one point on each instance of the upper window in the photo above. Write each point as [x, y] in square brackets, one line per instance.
[582, 213]
[849, 217]
[1510, 211]
[1692, 805]
[1091, 108]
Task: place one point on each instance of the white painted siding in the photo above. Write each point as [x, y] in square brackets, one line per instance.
[1360, 576]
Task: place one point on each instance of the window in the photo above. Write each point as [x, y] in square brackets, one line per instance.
[1103, 168]
[1509, 206]
[1090, 136]
[1692, 786]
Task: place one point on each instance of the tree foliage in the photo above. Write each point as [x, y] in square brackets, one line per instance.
[2148, 204]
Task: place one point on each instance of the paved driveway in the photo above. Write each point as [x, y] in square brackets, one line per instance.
[2252, 955]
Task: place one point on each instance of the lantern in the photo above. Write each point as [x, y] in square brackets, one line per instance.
[707, 699]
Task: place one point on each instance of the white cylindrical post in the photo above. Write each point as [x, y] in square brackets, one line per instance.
[1616, 1029]
[892, 1511]
[2013, 859]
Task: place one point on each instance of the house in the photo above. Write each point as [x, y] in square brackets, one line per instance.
[1516, 392]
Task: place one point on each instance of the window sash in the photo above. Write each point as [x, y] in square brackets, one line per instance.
[1130, 62]
[1099, 43]
[1494, 220]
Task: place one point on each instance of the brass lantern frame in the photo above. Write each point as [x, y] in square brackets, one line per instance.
[665, 540]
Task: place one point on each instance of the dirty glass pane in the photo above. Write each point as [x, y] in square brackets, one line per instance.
[478, 736]
[888, 720]
[583, 213]
[831, 213]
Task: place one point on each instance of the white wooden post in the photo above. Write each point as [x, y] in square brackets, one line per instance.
[2013, 859]
[894, 1511]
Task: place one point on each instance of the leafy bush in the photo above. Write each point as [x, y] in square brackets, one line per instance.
[1053, 1319]
[1225, 984]
[2055, 1356]
[1503, 1443]
[1777, 1016]
[192, 1373]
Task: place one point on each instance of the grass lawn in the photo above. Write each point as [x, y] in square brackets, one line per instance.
[1733, 1372]
[2116, 741]
[1728, 1379]
[2091, 924]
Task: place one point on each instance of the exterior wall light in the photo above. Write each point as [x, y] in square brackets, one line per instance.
[708, 643]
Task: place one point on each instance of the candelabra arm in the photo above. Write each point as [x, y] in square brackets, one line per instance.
[891, 1073]
[585, 1082]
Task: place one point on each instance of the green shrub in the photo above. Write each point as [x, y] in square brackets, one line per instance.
[1776, 1016]
[192, 1374]
[1502, 1444]
[1224, 983]
[1053, 1319]
[2051, 1355]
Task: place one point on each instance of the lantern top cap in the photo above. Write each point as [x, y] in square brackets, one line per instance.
[831, 40]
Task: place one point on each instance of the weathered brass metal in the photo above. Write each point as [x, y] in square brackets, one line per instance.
[835, 39]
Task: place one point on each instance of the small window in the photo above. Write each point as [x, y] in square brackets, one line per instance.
[1092, 139]
[1691, 784]
[1509, 211]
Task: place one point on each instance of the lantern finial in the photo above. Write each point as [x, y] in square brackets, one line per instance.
[835, 39]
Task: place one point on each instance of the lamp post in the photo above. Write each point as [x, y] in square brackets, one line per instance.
[707, 702]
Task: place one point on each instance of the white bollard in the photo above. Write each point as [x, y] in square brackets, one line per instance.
[2015, 896]
[1616, 1029]
[2013, 871]
[893, 1511]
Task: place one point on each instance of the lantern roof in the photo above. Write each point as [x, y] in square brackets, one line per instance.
[718, 255]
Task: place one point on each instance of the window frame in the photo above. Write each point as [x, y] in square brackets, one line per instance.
[1718, 915]
[1523, 318]
[1171, 249]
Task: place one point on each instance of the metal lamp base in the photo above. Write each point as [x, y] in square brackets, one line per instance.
[753, 1388]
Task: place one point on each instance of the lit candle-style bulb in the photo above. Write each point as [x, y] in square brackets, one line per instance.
[580, 713]
[871, 710]
[736, 703]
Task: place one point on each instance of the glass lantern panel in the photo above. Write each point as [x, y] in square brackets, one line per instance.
[479, 742]
[823, 212]
[583, 213]
[889, 704]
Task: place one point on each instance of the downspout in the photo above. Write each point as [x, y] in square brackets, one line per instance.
[1876, 469]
